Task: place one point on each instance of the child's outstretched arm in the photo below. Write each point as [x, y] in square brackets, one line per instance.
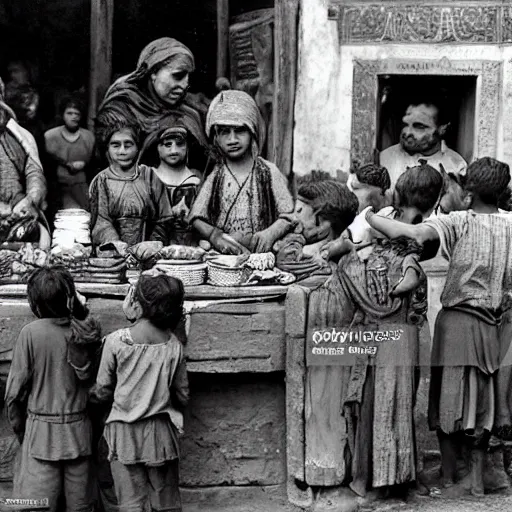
[391, 228]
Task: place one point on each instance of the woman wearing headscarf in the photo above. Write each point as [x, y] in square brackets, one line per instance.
[22, 182]
[239, 205]
[155, 94]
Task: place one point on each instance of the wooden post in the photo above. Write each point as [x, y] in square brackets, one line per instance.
[286, 55]
[222, 38]
[102, 16]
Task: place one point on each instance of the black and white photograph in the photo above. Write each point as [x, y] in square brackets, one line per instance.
[255, 255]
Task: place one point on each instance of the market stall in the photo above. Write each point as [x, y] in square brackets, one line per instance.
[235, 348]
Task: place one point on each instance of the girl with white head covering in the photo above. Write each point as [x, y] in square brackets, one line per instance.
[239, 205]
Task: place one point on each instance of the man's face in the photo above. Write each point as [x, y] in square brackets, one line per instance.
[367, 195]
[420, 131]
[72, 117]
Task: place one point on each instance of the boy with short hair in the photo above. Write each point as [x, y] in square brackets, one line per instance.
[369, 183]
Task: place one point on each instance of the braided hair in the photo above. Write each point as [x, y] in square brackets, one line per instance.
[161, 300]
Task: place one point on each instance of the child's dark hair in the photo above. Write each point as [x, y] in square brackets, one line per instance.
[330, 200]
[52, 294]
[161, 300]
[420, 187]
[487, 178]
[106, 134]
[373, 175]
[71, 102]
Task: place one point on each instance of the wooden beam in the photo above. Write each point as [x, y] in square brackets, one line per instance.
[286, 56]
[102, 17]
[222, 38]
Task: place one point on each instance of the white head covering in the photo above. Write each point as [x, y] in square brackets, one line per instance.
[236, 108]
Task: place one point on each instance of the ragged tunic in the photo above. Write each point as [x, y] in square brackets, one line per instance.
[130, 209]
[45, 387]
[360, 418]
[467, 345]
[242, 209]
[144, 380]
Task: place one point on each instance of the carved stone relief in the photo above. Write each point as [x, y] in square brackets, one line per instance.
[365, 91]
[436, 22]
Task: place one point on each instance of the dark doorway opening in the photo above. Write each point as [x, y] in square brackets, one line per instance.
[459, 92]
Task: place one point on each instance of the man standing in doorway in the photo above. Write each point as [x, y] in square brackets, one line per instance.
[422, 138]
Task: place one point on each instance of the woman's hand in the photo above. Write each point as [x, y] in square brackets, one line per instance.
[262, 241]
[25, 208]
[226, 244]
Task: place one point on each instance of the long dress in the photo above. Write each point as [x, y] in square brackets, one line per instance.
[130, 209]
[359, 418]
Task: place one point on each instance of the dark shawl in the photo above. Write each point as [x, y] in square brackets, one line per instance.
[131, 99]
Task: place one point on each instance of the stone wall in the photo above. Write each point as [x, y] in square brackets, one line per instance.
[235, 424]
[323, 109]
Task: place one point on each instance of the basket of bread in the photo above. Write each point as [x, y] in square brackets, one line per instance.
[245, 270]
[184, 263]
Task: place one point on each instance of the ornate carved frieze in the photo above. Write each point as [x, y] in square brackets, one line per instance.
[466, 22]
[365, 102]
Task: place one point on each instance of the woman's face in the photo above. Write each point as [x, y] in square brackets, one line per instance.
[173, 151]
[234, 141]
[122, 150]
[171, 82]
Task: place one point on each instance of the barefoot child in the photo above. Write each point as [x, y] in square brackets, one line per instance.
[46, 394]
[239, 205]
[464, 390]
[143, 370]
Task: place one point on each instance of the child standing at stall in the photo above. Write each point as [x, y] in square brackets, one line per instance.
[129, 203]
[166, 150]
[143, 371]
[465, 393]
[239, 206]
[46, 395]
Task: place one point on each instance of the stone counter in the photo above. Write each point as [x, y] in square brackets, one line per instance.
[235, 424]
[245, 423]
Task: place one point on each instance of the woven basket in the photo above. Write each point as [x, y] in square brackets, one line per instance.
[219, 275]
[189, 275]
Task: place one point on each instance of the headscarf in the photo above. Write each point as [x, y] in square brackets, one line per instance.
[131, 99]
[237, 108]
[147, 153]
